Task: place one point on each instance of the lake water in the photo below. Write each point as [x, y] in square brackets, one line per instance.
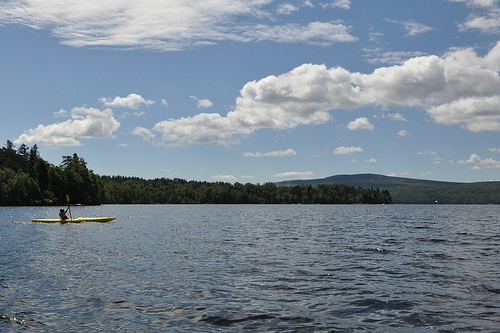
[244, 268]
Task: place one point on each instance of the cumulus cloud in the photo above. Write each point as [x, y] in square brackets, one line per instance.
[146, 134]
[474, 113]
[489, 23]
[204, 128]
[294, 174]
[479, 163]
[360, 123]
[166, 25]
[396, 117]
[132, 101]
[427, 80]
[300, 97]
[459, 88]
[61, 113]
[487, 20]
[403, 133]
[86, 123]
[204, 103]
[278, 153]
[347, 150]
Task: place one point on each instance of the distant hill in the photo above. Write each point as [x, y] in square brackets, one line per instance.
[415, 191]
[366, 180]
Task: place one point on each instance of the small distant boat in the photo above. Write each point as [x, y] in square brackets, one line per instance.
[76, 220]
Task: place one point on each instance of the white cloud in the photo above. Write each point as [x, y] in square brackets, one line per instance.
[132, 101]
[299, 97]
[475, 113]
[403, 133]
[86, 123]
[146, 134]
[432, 80]
[427, 152]
[487, 20]
[309, 93]
[278, 153]
[286, 9]
[164, 25]
[377, 55]
[204, 128]
[489, 23]
[294, 174]
[347, 150]
[372, 160]
[415, 28]
[479, 163]
[61, 113]
[494, 150]
[204, 103]
[360, 123]
[164, 102]
[317, 33]
[412, 28]
[344, 4]
[225, 178]
[478, 3]
[395, 117]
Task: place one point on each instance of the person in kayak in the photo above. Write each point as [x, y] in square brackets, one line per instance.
[62, 214]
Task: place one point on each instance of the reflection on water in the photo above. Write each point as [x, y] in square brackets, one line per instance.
[236, 268]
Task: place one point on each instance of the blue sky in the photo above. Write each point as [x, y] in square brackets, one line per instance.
[256, 90]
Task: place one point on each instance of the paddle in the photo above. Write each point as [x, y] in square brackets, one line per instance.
[67, 199]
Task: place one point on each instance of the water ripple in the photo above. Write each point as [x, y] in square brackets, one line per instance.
[252, 268]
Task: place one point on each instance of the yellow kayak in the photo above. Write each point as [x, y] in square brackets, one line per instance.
[76, 220]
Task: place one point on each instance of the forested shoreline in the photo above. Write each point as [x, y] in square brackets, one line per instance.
[127, 190]
[27, 179]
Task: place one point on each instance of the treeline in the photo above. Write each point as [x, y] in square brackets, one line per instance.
[126, 190]
[474, 193]
[27, 179]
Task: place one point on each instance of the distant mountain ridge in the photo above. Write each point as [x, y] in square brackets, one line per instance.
[366, 180]
[415, 191]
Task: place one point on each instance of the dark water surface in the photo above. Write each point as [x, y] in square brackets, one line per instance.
[286, 268]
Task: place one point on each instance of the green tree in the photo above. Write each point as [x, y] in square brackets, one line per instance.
[81, 184]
